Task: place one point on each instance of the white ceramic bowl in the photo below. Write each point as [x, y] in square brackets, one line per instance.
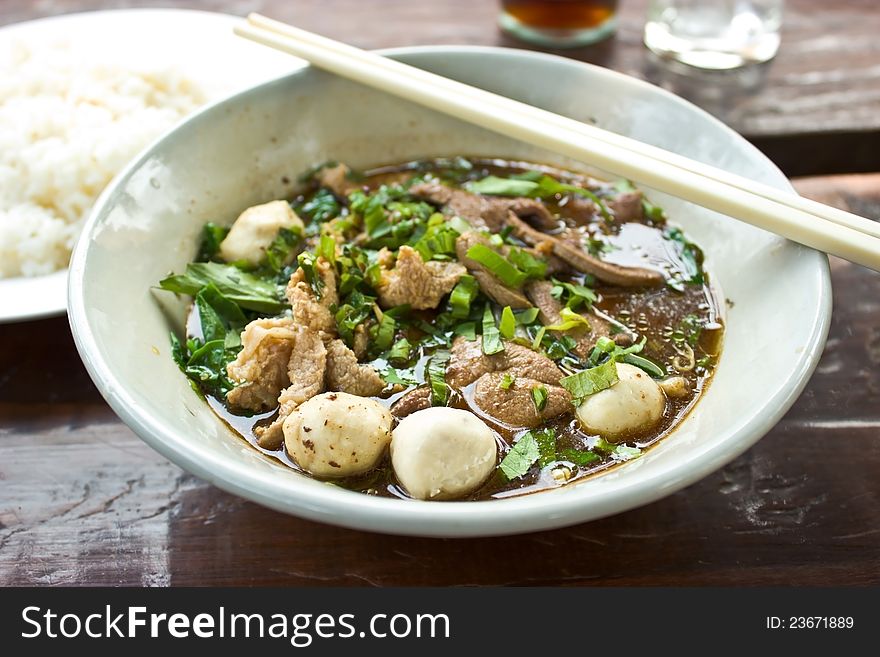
[240, 151]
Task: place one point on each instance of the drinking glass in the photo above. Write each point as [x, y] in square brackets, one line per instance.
[714, 34]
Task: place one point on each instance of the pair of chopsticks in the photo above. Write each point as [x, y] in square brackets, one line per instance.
[810, 223]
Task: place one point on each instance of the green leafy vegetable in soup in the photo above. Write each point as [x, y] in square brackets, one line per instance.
[508, 292]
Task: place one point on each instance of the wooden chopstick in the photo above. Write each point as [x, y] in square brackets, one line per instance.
[836, 232]
[791, 199]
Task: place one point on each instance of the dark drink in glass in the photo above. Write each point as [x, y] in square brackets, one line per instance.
[559, 23]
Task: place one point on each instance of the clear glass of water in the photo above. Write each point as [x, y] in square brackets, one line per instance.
[714, 34]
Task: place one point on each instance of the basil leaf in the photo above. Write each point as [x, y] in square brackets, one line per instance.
[690, 259]
[436, 370]
[546, 439]
[207, 367]
[579, 457]
[382, 334]
[492, 343]
[209, 245]
[322, 206]
[521, 457]
[177, 352]
[217, 314]
[280, 251]
[306, 261]
[399, 377]
[247, 290]
[588, 382]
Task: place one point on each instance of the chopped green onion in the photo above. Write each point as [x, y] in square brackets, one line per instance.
[466, 329]
[643, 363]
[495, 186]
[539, 336]
[539, 397]
[327, 249]
[506, 381]
[544, 187]
[527, 316]
[588, 382]
[526, 262]
[569, 320]
[507, 327]
[500, 267]
[459, 225]
[521, 457]
[492, 343]
[625, 453]
[462, 295]
[400, 351]
[577, 295]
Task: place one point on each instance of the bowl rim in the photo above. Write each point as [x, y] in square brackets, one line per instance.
[507, 516]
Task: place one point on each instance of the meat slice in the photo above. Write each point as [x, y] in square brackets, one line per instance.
[417, 399]
[345, 374]
[489, 284]
[467, 363]
[549, 312]
[529, 209]
[627, 206]
[305, 370]
[260, 369]
[336, 179]
[522, 361]
[582, 261]
[418, 283]
[514, 405]
[582, 211]
[309, 311]
[489, 212]
[455, 202]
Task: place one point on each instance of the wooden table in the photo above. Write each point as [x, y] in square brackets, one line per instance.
[83, 501]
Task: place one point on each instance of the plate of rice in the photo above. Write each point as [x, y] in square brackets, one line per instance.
[80, 96]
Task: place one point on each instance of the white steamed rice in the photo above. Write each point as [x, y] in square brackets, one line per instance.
[68, 122]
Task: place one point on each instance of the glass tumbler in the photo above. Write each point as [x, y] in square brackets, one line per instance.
[559, 23]
[714, 34]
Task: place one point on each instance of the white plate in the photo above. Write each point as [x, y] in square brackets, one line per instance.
[200, 44]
